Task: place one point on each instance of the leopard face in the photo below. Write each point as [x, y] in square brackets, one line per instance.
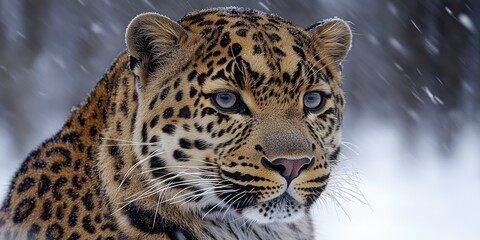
[237, 110]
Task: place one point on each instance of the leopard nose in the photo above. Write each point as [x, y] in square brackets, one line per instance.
[288, 168]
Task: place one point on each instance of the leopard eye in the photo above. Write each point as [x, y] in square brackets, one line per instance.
[225, 100]
[313, 101]
[229, 102]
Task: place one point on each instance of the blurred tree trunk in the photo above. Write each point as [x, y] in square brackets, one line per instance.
[450, 70]
[4, 81]
[471, 87]
[432, 71]
[22, 51]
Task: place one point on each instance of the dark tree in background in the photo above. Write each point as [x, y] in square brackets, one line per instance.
[414, 64]
[435, 66]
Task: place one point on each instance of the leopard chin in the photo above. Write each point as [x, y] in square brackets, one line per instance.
[283, 208]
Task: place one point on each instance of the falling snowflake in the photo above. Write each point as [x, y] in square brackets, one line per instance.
[466, 22]
[397, 45]
[449, 11]
[263, 5]
[433, 98]
[415, 25]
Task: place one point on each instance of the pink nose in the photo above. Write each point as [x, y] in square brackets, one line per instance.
[288, 168]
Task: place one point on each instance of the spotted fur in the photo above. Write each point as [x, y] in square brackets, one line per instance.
[149, 155]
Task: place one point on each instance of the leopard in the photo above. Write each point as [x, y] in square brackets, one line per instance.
[223, 125]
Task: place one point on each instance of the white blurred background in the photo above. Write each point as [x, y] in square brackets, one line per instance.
[411, 167]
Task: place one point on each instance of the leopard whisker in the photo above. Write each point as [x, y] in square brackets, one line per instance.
[203, 192]
[210, 164]
[124, 140]
[344, 184]
[323, 67]
[351, 144]
[211, 190]
[155, 190]
[348, 193]
[153, 154]
[230, 204]
[195, 175]
[156, 209]
[235, 60]
[314, 64]
[201, 168]
[169, 186]
[346, 145]
[251, 190]
[248, 223]
[211, 209]
[177, 196]
[143, 195]
[339, 204]
[132, 144]
[208, 191]
[321, 201]
[156, 183]
[190, 196]
[184, 183]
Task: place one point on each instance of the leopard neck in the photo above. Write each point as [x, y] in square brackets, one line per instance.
[119, 165]
[92, 117]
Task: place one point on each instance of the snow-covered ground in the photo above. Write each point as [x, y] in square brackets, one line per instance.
[409, 195]
[7, 164]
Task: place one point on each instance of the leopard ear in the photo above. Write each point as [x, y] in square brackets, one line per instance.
[152, 40]
[332, 37]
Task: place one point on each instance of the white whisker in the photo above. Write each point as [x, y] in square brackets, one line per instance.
[201, 168]
[154, 153]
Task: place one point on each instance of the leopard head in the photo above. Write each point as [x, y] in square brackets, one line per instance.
[246, 108]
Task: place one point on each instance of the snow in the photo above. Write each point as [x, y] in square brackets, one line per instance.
[83, 68]
[96, 28]
[432, 49]
[464, 20]
[410, 195]
[264, 6]
[373, 39]
[150, 4]
[392, 8]
[21, 34]
[398, 66]
[468, 87]
[406, 194]
[435, 99]
[449, 11]
[414, 115]
[397, 45]
[8, 169]
[415, 25]
[467, 22]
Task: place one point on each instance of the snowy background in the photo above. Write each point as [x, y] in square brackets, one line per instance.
[411, 167]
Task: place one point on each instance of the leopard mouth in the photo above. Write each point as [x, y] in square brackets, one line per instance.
[283, 208]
